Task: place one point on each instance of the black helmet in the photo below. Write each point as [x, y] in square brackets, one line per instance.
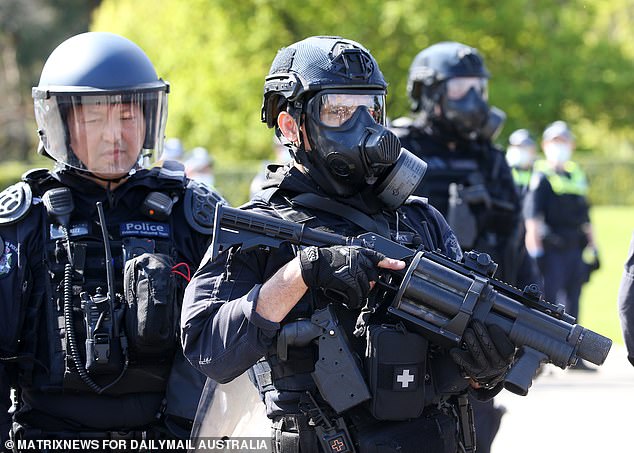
[99, 69]
[334, 87]
[438, 63]
[313, 64]
[453, 76]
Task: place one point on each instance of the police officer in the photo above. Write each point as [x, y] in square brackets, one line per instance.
[95, 256]
[452, 129]
[467, 178]
[558, 227]
[248, 309]
[520, 155]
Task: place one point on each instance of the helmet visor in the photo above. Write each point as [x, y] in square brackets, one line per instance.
[458, 87]
[107, 135]
[336, 108]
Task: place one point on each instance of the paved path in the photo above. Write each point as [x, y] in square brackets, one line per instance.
[572, 411]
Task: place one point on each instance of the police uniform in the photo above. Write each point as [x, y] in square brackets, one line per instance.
[495, 214]
[559, 197]
[219, 321]
[83, 363]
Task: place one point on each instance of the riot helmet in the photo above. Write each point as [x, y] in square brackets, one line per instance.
[448, 84]
[333, 86]
[100, 107]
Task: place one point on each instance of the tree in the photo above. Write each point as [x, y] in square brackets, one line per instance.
[547, 59]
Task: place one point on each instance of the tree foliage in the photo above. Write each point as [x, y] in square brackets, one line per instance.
[549, 59]
[29, 31]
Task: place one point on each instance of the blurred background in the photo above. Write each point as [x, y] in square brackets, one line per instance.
[549, 60]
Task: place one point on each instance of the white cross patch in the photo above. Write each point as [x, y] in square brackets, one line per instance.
[405, 378]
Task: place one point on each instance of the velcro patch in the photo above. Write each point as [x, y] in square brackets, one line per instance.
[144, 229]
[76, 229]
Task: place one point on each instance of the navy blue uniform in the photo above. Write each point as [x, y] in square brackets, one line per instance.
[559, 199]
[496, 210]
[224, 336]
[34, 342]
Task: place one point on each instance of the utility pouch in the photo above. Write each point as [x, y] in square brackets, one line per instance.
[150, 292]
[395, 362]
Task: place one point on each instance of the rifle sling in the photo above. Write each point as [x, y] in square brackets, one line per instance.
[374, 223]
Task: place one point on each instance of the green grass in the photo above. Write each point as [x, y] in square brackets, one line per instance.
[613, 227]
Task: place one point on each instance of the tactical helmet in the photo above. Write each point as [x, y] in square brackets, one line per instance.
[440, 62]
[313, 64]
[98, 69]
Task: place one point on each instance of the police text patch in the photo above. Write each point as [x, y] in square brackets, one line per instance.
[144, 229]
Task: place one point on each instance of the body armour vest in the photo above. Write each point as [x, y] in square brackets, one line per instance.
[471, 184]
[110, 307]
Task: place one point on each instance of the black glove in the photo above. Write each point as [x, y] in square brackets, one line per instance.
[345, 271]
[487, 355]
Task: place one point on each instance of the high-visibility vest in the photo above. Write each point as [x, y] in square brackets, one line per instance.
[572, 182]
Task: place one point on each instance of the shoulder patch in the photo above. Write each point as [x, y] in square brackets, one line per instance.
[200, 206]
[8, 258]
[15, 202]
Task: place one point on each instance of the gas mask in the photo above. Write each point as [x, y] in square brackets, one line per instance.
[350, 147]
[465, 108]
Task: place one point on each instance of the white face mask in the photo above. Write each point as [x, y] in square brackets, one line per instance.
[520, 156]
[558, 152]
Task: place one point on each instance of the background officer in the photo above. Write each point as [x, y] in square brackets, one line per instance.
[520, 155]
[558, 227]
[467, 177]
[92, 271]
[326, 96]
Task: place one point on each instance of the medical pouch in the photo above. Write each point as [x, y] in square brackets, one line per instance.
[151, 293]
[395, 362]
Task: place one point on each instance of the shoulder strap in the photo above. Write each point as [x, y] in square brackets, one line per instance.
[375, 223]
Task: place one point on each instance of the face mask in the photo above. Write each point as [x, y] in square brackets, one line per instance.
[519, 156]
[351, 157]
[558, 152]
[467, 115]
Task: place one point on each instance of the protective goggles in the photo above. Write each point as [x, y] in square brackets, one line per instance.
[458, 87]
[335, 108]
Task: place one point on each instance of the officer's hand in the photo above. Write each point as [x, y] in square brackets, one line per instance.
[347, 271]
[486, 355]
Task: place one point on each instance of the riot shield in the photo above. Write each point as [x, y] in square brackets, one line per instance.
[231, 410]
